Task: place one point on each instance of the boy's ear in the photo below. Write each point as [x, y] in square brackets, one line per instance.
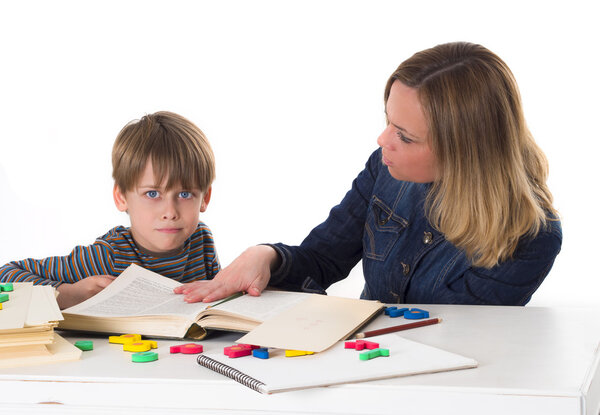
[119, 197]
[205, 199]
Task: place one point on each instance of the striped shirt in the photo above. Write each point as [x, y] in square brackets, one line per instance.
[114, 252]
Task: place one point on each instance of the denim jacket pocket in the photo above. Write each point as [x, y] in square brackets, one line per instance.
[382, 230]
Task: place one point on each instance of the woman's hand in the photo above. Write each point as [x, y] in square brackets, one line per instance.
[72, 294]
[250, 272]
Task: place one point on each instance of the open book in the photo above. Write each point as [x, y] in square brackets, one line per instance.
[141, 301]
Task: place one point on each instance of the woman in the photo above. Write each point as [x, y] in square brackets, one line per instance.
[452, 208]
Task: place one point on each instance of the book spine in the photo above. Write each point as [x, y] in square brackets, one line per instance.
[232, 373]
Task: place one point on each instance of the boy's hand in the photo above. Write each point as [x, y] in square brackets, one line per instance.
[72, 294]
[250, 272]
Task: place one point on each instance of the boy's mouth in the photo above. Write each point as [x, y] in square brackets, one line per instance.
[169, 230]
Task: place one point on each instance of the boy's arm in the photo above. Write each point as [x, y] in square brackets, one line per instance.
[82, 262]
[203, 238]
[215, 267]
[72, 294]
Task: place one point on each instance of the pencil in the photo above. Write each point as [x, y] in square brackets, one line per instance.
[398, 328]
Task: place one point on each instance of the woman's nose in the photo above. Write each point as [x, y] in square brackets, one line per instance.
[383, 139]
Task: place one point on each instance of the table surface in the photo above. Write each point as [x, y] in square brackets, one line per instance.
[531, 360]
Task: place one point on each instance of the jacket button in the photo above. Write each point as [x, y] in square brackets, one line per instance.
[427, 238]
[405, 268]
[385, 220]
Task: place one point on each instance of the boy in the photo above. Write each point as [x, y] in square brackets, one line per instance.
[163, 167]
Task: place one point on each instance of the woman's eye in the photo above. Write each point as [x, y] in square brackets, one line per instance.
[404, 138]
[185, 195]
[152, 194]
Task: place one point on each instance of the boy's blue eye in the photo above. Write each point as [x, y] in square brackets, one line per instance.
[185, 195]
[152, 194]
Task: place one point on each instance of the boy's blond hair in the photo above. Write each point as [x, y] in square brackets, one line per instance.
[178, 149]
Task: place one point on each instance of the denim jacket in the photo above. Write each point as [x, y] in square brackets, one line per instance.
[382, 221]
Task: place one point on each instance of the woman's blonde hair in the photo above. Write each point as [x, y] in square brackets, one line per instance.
[178, 149]
[491, 190]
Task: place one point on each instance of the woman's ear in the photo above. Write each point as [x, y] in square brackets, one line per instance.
[119, 197]
[205, 199]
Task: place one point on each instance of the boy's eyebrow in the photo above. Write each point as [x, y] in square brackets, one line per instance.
[149, 186]
[153, 186]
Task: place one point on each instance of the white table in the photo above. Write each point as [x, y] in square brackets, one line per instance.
[531, 361]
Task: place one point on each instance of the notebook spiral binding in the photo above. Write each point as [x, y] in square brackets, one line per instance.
[232, 373]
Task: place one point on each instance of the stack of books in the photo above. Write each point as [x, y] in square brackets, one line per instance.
[27, 322]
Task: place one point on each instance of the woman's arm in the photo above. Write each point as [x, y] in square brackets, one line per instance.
[510, 283]
[333, 248]
[327, 255]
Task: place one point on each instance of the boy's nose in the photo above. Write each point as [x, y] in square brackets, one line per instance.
[170, 211]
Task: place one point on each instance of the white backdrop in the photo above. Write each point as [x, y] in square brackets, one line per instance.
[290, 95]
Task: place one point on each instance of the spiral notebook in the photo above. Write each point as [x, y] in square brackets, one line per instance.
[334, 366]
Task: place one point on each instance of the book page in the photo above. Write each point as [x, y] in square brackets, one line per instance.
[137, 292]
[263, 307]
[30, 335]
[313, 324]
[14, 311]
[12, 352]
[60, 350]
[43, 306]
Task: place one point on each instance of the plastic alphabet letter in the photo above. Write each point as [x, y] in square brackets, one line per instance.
[239, 350]
[294, 353]
[361, 344]
[140, 346]
[124, 338]
[143, 357]
[416, 314]
[188, 348]
[262, 353]
[85, 345]
[372, 354]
